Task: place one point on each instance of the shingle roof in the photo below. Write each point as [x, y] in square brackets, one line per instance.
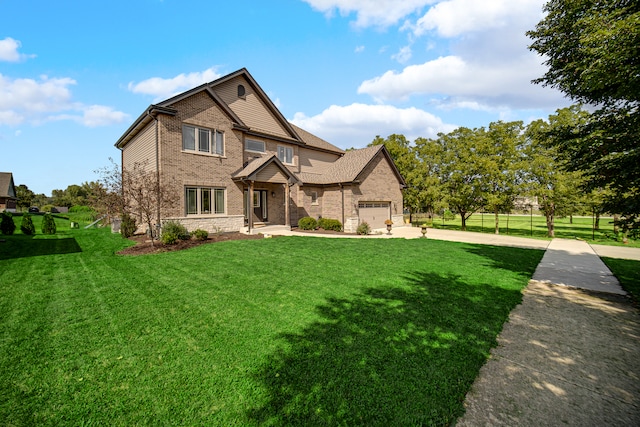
[345, 169]
[259, 163]
[6, 184]
[312, 140]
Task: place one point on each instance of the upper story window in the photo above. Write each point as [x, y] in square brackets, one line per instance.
[253, 145]
[241, 91]
[285, 154]
[202, 140]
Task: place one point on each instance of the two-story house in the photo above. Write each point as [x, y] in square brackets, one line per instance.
[240, 164]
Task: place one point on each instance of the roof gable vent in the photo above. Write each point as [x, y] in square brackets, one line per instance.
[241, 91]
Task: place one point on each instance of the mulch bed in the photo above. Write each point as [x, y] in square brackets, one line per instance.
[144, 245]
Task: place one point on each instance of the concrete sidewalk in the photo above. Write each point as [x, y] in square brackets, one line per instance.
[569, 353]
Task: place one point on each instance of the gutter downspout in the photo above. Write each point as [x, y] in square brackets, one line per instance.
[155, 119]
[342, 195]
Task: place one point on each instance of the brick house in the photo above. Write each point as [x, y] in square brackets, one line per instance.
[8, 197]
[240, 164]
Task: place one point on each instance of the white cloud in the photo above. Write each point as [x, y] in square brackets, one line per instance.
[48, 99]
[359, 49]
[404, 55]
[9, 51]
[100, 115]
[455, 17]
[498, 85]
[163, 88]
[356, 125]
[380, 13]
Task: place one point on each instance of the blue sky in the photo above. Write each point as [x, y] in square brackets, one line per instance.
[75, 74]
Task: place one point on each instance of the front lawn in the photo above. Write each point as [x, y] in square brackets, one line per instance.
[282, 331]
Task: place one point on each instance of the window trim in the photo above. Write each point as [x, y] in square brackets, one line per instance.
[285, 148]
[246, 145]
[212, 141]
[214, 193]
[314, 195]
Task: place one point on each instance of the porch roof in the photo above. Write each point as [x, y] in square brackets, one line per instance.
[254, 170]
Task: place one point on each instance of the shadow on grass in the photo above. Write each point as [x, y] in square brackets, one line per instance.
[518, 260]
[21, 246]
[396, 356]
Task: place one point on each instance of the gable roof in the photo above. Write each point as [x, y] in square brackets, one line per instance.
[7, 188]
[254, 167]
[350, 167]
[295, 135]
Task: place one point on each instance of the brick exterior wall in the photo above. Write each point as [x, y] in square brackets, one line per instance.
[191, 169]
[187, 168]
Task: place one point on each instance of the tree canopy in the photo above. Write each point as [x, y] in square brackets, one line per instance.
[592, 49]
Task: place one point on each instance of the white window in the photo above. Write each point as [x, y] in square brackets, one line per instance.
[206, 140]
[285, 154]
[204, 200]
[253, 145]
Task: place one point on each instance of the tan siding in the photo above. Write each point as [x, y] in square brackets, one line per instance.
[271, 174]
[251, 110]
[314, 161]
[141, 149]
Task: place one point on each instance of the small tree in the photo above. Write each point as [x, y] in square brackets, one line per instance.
[7, 226]
[146, 195]
[26, 226]
[48, 224]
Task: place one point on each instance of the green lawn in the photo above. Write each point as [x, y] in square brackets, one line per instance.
[535, 226]
[282, 331]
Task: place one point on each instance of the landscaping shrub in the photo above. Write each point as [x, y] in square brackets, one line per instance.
[48, 224]
[449, 216]
[26, 226]
[7, 226]
[363, 229]
[200, 234]
[172, 231]
[330, 224]
[80, 208]
[307, 223]
[128, 225]
[47, 208]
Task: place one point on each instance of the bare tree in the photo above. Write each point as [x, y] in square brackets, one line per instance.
[106, 193]
[146, 195]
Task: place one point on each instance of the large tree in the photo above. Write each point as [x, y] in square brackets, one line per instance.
[592, 49]
[545, 177]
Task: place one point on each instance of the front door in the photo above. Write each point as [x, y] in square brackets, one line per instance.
[259, 205]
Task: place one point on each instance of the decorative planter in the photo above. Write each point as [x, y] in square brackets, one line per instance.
[423, 230]
[388, 228]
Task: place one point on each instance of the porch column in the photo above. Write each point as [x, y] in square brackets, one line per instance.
[287, 192]
[250, 207]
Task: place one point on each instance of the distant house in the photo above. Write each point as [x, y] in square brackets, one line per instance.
[240, 164]
[8, 198]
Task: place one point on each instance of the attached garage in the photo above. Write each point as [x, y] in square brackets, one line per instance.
[374, 213]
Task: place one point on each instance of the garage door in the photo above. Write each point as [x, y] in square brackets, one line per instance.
[374, 213]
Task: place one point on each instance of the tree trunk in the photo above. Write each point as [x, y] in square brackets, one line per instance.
[570, 218]
[616, 227]
[596, 225]
[550, 230]
[463, 217]
[497, 222]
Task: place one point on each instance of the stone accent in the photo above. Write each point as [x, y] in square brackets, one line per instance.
[351, 224]
[212, 224]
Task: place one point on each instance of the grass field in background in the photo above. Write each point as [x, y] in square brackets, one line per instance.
[533, 226]
[282, 331]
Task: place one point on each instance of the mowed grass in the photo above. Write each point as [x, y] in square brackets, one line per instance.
[536, 227]
[282, 331]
